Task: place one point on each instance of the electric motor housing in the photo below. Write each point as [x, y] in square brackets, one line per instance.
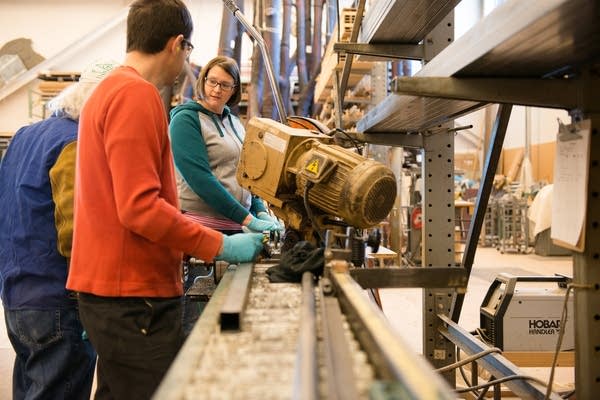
[283, 164]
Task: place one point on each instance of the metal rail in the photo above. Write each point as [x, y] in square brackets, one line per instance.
[178, 377]
[498, 365]
[306, 384]
[350, 57]
[298, 344]
[392, 359]
[337, 358]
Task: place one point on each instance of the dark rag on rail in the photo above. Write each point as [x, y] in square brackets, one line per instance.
[304, 256]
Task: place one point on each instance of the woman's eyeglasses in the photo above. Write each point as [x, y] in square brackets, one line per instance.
[213, 83]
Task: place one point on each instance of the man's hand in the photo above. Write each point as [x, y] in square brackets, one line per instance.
[241, 247]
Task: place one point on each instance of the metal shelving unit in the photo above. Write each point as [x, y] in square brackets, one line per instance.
[489, 238]
[513, 231]
[543, 54]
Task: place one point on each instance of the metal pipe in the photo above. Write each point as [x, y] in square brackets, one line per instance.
[483, 196]
[411, 277]
[350, 57]
[234, 306]
[265, 53]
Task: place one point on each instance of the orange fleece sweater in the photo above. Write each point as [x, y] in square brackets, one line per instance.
[129, 234]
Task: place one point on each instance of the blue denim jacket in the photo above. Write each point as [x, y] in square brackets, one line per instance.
[32, 271]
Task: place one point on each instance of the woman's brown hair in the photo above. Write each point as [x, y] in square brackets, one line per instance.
[230, 66]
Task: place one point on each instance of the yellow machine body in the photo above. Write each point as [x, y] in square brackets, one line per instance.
[289, 167]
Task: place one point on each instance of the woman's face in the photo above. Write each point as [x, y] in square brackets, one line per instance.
[218, 89]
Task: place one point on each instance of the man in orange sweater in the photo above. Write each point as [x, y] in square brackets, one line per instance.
[129, 235]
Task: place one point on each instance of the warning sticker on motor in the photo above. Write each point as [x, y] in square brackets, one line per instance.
[313, 166]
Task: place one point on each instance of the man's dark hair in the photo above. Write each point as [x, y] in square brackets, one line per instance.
[230, 66]
[151, 23]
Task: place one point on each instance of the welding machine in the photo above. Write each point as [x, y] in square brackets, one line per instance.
[522, 313]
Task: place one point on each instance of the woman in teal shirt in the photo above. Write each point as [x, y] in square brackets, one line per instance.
[206, 140]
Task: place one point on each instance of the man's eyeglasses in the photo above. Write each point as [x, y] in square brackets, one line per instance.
[213, 83]
[187, 46]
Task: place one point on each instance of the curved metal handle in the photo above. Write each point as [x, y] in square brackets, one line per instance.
[266, 57]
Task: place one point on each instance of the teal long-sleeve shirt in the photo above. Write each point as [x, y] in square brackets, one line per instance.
[206, 149]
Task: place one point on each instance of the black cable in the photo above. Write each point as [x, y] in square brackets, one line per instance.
[460, 363]
[467, 381]
[561, 333]
[483, 393]
[353, 140]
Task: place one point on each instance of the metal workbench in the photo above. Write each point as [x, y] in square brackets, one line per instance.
[261, 340]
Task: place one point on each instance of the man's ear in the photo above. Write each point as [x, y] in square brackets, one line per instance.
[174, 44]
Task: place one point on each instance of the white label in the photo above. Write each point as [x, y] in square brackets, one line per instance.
[274, 142]
[439, 354]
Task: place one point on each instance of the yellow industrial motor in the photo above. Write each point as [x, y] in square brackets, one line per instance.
[310, 181]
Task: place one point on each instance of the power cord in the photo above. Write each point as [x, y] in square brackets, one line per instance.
[460, 363]
[353, 140]
[501, 380]
[482, 335]
[468, 359]
[561, 333]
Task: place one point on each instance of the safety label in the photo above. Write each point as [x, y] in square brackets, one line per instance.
[313, 166]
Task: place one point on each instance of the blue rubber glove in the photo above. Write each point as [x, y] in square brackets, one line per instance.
[268, 217]
[260, 225]
[241, 247]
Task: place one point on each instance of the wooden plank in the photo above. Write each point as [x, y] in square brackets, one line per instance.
[60, 76]
[53, 87]
[525, 359]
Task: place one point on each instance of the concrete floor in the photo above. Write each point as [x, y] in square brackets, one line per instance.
[403, 306]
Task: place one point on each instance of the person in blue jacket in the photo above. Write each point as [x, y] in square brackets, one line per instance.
[206, 140]
[54, 360]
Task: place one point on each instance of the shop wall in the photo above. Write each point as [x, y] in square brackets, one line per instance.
[53, 26]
